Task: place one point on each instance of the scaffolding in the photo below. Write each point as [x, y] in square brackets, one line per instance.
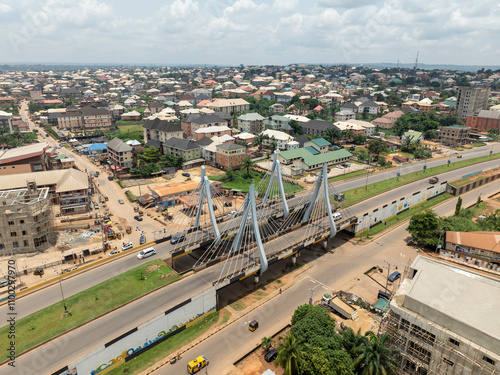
[438, 352]
[26, 222]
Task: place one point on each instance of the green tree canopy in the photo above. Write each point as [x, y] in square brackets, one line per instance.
[425, 227]
[374, 358]
[418, 121]
[377, 146]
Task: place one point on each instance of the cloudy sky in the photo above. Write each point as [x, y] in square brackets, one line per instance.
[231, 32]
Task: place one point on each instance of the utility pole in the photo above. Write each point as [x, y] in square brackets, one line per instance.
[367, 171]
[387, 279]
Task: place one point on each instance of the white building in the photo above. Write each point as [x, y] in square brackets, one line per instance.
[444, 319]
[282, 139]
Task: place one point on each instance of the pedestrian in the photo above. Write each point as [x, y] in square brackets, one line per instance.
[280, 290]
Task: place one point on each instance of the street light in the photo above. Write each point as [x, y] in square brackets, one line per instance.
[387, 279]
[62, 294]
[367, 171]
[311, 298]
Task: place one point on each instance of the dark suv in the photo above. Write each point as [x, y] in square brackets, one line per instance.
[271, 355]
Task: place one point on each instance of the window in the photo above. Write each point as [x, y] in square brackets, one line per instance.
[11, 223]
[447, 361]
[13, 234]
[21, 221]
[15, 244]
[454, 342]
[25, 242]
[24, 233]
[489, 360]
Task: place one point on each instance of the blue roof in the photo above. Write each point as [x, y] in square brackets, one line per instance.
[97, 146]
[312, 150]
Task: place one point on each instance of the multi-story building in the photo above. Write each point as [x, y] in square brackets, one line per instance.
[484, 120]
[230, 106]
[195, 121]
[471, 99]
[454, 135]
[30, 158]
[89, 118]
[182, 148]
[6, 121]
[230, 155]
[344, 115]
[161, 130]
[25, 220]
[443, 319]
[315, 127]
[282, 139]
[70, 120]
[120, 154]
[211, 131]
[251, 123]
[276, 122]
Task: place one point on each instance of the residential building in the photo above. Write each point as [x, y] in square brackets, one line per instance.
[320, 144]
[70, 120]
[30, 158]
[440, 322]
[307, 159]
[369, 129]
[454, 135]
[96, 118]
[282, 139]
[344, 115]
[478, 249]
[182, 148]
[211, 131]
[419, 106]
[161, 130]
[383, 123]
[26, 224]
[131, 116]
[18, 125]
[173, 193]
[230, 106]
[412, 136]
[120, 154]
[6, 121]
[369, 106]
[451, 102]
[354, 128]
[251, 123]
[471, 99]
[68, 188]
[315, 127]
[196, 121]
[484, 120]
[229, 155]
[276, 122]
[277, 108]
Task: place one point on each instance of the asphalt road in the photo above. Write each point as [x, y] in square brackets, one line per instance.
[331, 271]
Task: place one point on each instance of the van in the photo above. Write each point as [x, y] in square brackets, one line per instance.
[150, 251]
[394, 276]
[337, 216]
[127, 246]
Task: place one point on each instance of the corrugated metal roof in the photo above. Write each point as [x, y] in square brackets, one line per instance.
[63, 179]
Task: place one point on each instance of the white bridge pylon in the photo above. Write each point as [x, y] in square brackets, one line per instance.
[276, 172]
[205, 193]
[322, 184]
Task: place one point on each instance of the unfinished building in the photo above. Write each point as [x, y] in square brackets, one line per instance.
[444, 320]
[25, 220]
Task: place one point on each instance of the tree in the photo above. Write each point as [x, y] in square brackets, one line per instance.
[297, 129]
[171, 161]
[377, 146]
[150, 154]
[374, 358]
[351, 341]
[266, 343]
[458, 207]
[247, 164]
[359, 139]
[273, 145]
[418, 121]
[346, 134]
[290, 355]
[425, 227]
[332, 135]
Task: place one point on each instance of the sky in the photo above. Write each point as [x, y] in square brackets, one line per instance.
[233, 32]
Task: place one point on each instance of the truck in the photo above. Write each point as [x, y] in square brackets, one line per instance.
[433, 180]
[339, 307]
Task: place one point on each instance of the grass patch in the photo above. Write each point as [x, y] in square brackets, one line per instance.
[407, 214]
[89, 304]
[225, 317]
[260, 293]
[359, 194]
[478, 144]
[471, 179]
[238, 306]
[133, 126]
[130, 196]
[348, 176]
[169, 346]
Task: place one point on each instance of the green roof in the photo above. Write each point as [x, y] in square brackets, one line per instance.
[310, 159]
[321, 142]
[312, 150]
[382, 304]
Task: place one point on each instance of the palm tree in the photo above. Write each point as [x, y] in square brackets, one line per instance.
[332, 134]
[346, 134]
[266, 343]
[351, 341]
[374, 358]
[273, 145]
[290, 355]
[247, 165]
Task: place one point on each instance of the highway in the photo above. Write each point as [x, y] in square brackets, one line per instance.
[330, 271]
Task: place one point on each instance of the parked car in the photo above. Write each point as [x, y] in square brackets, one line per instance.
[121, 201]
[228, 204]
[127, 246]
[185, 174]
[110, 178]
[394, 276]
[232, 213]
[116, 251]
[4, 283]
[138, 218]
[150, 251]
[178, 238]
[271, 355]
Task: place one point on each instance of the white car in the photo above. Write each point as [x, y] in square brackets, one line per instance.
[232, 213]
[114, 252]
[150, 251]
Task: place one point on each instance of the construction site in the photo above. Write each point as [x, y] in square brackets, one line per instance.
[431, 324]
[26, 223]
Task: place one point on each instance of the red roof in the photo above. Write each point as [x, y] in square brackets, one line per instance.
[318, 108]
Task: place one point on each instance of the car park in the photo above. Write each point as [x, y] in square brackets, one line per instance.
[178, 238]
[271, 355]
[150, 251]
[138, 218]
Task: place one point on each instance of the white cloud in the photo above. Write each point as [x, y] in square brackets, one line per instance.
[4, 8]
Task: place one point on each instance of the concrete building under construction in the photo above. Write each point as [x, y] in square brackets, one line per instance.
[444, 320]
[25, 220]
